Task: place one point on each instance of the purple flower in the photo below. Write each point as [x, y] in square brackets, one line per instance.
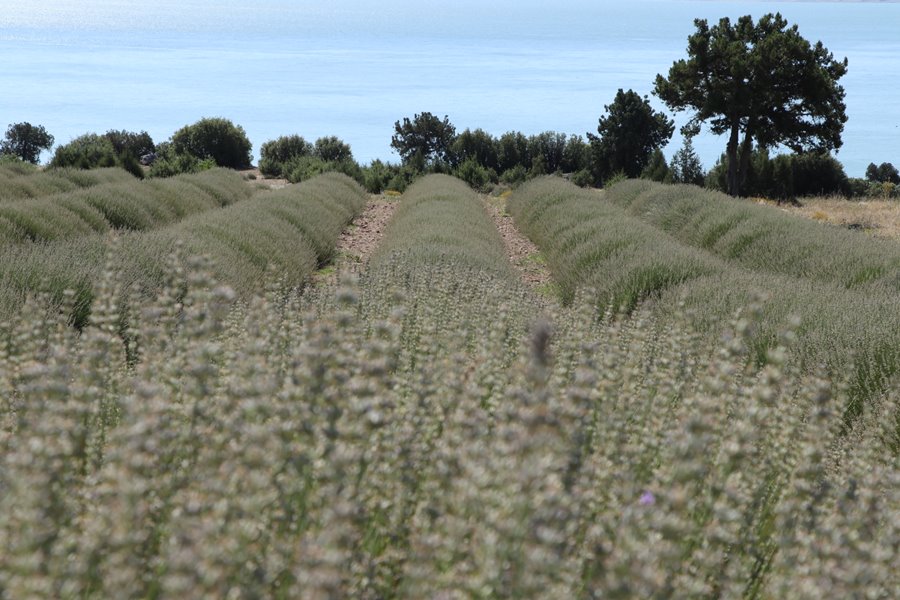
[647, 499]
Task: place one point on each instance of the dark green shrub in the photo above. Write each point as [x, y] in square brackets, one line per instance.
[130, 143]
[583, 178]
[26, 141]
[476, 175]
[627, 135]
[513, 151]
[377, 175]
[217, 139]
[787, 176]
[333, 149]
[477, 145]
[515, 175]
[576, 155]
[302, 168]
[547, 150]
[883, 173]
[657, 169]
[88, 151]
[169, 163]
[275, 154]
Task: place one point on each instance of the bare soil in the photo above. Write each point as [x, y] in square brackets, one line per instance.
[524, 256]
[359, 239]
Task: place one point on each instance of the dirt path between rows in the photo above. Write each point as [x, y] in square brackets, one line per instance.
[359, 239]
[524, 256]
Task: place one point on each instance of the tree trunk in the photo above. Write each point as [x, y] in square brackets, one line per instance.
[731, 152]
[744, 165]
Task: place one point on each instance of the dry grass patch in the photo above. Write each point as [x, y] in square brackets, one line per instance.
[879, 218]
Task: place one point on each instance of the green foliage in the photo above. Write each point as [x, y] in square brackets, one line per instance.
[168, 163]
[377, 175]
[302, 168]
[477, 176]
[748, 79]
[513, 151]
[686, 166]
[627, 136]
[657, 169]
[26, 141]
[583, 178]
[114, 148]
[786, 176]
[88, 151]
[883, 173]
[130, 143]
[217, 139]
[547, 151]
[274, 154]
[424, 141]
[476, 146]
[333, 149]
[515, 175]
[576, 156]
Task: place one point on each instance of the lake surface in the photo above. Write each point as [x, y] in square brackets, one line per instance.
[352, 68]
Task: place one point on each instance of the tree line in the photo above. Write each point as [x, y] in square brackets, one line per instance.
[760, 84]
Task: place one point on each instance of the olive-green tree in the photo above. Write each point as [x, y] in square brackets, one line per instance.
[26, 141]
[425, 140]
[758, 82]
[627, 136]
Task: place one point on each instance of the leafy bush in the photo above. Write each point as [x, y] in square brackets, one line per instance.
[477, 146]
[657, 169]
[583, 178]
[787, 176]
[88, 151]
[169, 163]
[514, 176]
[302, 168]
[332, 149]
[377, 175]
[214, 138]
[476, 175]
[114, 148]
[274, 154]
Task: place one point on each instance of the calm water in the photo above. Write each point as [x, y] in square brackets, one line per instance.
[351, 68]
